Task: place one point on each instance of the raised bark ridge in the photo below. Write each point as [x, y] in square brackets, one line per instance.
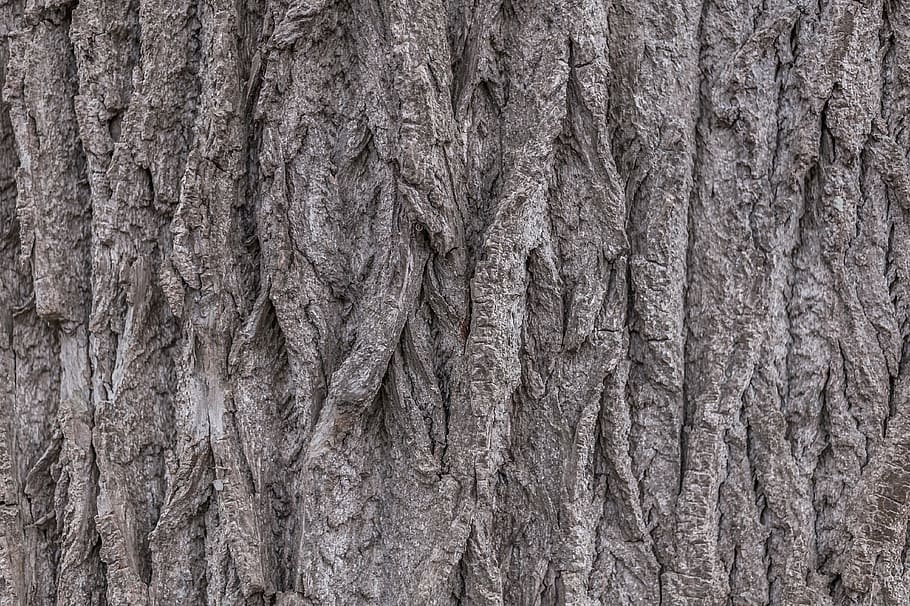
[413, 302]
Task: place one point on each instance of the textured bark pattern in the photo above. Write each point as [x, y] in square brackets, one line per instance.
[487, 303]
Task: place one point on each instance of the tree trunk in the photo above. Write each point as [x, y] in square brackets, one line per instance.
[382, 302]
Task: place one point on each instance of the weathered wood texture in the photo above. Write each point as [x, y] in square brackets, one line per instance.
[484, 303]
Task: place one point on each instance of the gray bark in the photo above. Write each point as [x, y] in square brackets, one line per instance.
[481, 303]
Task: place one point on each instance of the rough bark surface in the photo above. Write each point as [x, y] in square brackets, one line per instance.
[311, 302]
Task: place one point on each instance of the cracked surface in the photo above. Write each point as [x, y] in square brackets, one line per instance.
[309, 303]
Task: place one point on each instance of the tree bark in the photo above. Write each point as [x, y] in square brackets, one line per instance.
[312, 303]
